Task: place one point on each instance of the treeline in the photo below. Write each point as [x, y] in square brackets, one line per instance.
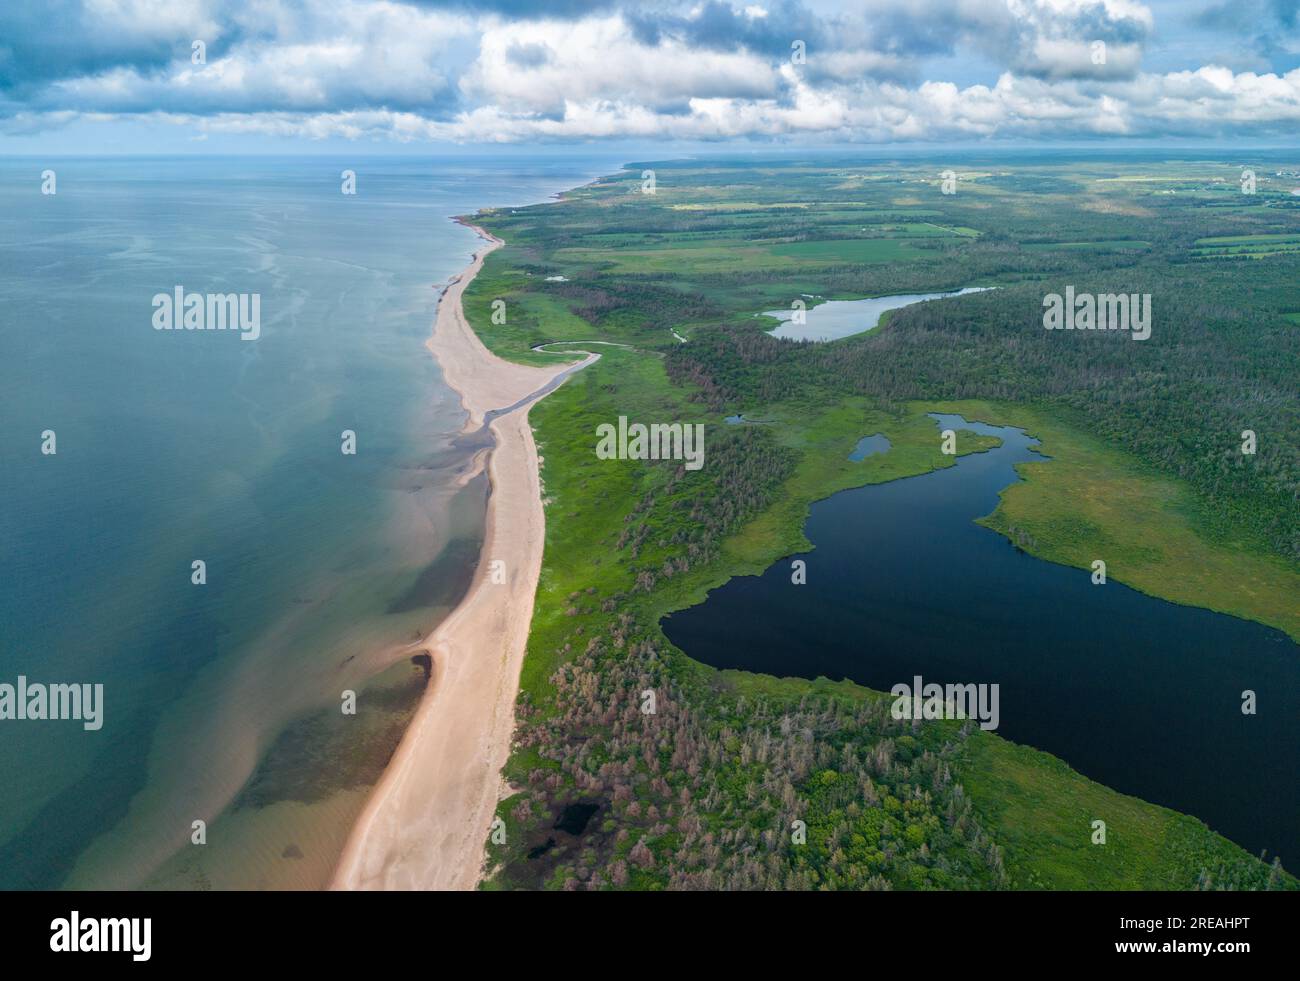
[634, 304]
[690, 785]
[636, 768]
[706, 789]
[679, 523]
[682, 780]
[1221, 360]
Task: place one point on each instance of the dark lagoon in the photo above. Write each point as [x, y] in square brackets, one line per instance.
[1137, 693]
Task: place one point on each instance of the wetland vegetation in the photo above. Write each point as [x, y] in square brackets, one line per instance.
[738, 779]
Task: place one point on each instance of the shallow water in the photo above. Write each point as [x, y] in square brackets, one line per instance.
[174, 446]
[1140, 694]
[870, 446]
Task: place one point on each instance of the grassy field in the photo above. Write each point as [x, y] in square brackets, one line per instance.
[1044, 810]
[1093, 501]
[1040, 809]
[628, 543]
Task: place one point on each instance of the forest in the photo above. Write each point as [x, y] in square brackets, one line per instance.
[743, 781]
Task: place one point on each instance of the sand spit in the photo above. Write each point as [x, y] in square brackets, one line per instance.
[428, 818]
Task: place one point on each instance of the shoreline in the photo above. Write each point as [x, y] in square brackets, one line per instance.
[426, 822]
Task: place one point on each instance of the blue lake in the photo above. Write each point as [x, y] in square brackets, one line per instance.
[1140, 694]
[834, 319]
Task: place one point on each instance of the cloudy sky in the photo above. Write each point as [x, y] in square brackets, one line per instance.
[97, 74]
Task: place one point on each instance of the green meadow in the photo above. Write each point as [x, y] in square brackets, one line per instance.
[696, 794]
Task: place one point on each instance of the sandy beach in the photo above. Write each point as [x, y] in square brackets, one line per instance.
[427, 820]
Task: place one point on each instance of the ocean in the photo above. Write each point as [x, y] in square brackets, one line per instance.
[226, 757]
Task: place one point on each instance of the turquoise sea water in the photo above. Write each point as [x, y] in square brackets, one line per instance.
[175, 446]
